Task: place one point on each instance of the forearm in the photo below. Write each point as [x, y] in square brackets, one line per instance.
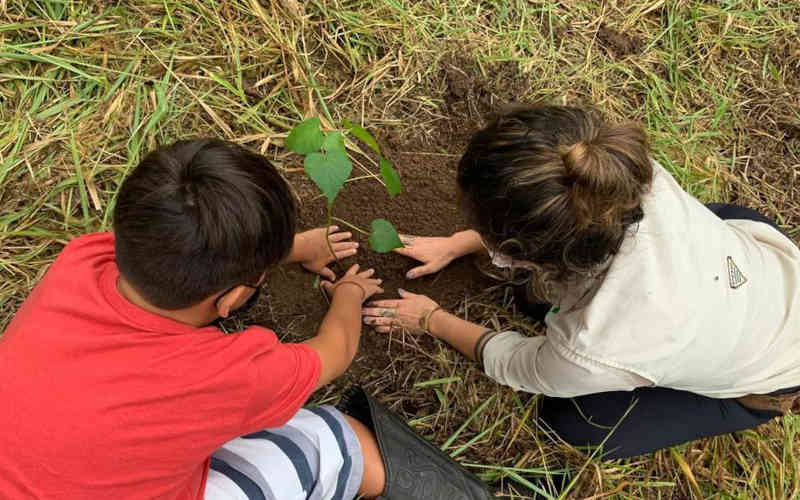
[466, 243]
[337, 338]
[462, 335]
[297, 254]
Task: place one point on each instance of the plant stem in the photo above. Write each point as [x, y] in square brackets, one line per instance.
[351, 226]
[328, 235]
[328, 229]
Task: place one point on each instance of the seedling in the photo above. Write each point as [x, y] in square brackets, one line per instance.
[327, 163]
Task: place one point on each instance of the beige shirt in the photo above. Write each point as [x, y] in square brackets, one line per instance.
[690, 302]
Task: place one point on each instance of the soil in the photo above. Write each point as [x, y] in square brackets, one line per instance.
[427, 206]
[618, 44]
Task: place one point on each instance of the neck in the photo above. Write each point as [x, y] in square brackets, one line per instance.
[197, 315]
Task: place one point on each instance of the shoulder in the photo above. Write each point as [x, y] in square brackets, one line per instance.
[259, 334]
[89, 245]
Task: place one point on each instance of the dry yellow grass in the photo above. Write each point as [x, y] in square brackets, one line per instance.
[87, 87]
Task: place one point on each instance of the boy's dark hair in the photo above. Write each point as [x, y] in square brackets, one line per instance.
[200, 216]
[557, 186]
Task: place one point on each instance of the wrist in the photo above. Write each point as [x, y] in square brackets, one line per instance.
[464, 243]
[434, 322]
[297, 253]
[350, 288]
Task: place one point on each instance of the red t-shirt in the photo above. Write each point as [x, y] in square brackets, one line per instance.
[101, 399]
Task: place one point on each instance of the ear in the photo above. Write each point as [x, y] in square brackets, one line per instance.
[227, 302]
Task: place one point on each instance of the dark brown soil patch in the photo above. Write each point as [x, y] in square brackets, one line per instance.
[427, 206]
[618, 44]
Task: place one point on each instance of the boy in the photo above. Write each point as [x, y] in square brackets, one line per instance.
[114, 386]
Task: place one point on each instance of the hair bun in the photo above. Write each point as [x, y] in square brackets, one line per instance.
[575, 158]
[607, 172]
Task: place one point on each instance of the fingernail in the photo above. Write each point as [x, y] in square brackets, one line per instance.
[401, 290]
[410, 275]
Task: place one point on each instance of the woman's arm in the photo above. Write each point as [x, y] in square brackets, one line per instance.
[531, 364]
[436, 252]
[418, 313]
[463, 335]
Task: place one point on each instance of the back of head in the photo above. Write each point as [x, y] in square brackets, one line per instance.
[555, 185]
[197, 217]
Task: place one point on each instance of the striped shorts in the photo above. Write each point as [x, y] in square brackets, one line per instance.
[315, 456]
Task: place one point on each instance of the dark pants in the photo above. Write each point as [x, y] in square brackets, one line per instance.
[656, 417]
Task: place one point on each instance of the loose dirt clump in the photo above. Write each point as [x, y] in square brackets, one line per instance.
[618, 44]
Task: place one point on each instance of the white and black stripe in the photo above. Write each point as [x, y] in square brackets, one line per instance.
[315, 456]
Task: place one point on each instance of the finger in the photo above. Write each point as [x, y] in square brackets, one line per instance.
[333, 229]
[376, 321]
[407, 239]
[375, 311]
[334, 237]
[407, 251]
[384, 303]
[367, 273]
[379, 312]
[353, 270]
[405, 294]
[384, 329]
[420, 271]
[345, 253]
[325, 272]
[326, 285]
[348, 245]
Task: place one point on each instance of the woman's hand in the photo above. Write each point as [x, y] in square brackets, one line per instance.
[353, 280]
[313, 253]
[435, 252]
[410, 312]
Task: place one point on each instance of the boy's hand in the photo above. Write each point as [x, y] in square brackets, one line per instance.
[313, 253]
[353, 281]
[410, 312]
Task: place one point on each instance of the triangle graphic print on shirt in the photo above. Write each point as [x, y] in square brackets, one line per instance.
[735, 276]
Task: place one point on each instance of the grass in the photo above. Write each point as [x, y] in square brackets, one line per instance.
[87, 87]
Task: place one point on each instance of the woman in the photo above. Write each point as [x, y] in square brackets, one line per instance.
[671, 314]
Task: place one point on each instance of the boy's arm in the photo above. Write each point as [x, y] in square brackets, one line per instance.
[312, 251]
[436, 252]
[336, 341]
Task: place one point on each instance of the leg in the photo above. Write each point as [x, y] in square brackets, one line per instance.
[659, 418]
[317, 454]
[414, 468]
[374, 478]
[725, 212]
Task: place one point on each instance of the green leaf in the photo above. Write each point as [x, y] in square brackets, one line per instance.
[384, 236]
[362, 133]
[306, 137]
[334, 142]
[390, 177]
[328, 171]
